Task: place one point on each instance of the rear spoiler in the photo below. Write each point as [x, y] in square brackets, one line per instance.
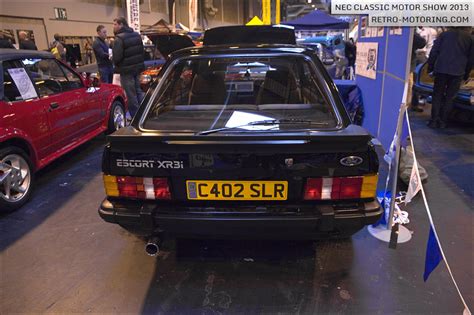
[352, 138]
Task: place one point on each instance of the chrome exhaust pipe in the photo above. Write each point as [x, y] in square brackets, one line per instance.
[152, 248]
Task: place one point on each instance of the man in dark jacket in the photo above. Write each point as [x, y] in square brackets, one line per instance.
[128, 60]
[4, 41]
[101, 52]
[451, 61]
[350, 51]
[26, 42]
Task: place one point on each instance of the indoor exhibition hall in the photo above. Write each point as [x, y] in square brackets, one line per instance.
[333, 175]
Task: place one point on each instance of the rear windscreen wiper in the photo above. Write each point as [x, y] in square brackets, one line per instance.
[265, 123]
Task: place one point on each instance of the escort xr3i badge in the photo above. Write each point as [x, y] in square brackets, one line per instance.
[241, 140]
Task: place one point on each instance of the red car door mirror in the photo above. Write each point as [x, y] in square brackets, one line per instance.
[92, 80]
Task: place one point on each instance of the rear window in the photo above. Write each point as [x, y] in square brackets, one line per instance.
[209, 93]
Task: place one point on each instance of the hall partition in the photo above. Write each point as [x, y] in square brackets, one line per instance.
[382, 87]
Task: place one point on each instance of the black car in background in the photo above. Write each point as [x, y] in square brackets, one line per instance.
[242, 140]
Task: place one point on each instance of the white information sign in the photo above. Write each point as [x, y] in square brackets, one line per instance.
[133, 14]
[23, 83]
[240, 119]
[366, 60]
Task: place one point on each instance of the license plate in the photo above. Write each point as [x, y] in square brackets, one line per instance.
[236, 190]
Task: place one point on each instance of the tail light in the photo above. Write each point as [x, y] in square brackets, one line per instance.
[153, 72]
[327, 188]
[137, 187]
[313, 189]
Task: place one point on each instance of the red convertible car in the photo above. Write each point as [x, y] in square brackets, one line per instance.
[46, 110]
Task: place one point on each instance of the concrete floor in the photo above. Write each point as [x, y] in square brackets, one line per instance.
[58, 256]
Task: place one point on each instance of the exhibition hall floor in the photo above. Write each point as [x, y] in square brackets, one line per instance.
[58, 256]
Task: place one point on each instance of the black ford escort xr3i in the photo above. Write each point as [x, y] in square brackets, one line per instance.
[242, 141]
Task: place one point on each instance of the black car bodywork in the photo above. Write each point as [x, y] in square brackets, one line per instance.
[175, 162]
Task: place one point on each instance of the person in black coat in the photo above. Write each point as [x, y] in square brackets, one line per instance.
[26, 42]
[5, 42]
[101, 52]
[128, 59]
[450, 61]
[350, 51]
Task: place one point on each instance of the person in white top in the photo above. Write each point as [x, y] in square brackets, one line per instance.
[429, 34]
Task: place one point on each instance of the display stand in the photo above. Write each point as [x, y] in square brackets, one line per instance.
[383, 90]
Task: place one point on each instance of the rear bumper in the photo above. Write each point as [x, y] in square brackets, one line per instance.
[310, 222]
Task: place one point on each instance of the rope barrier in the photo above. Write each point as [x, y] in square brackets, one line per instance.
[467, 311]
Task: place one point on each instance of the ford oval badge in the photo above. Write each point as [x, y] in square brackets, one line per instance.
[351, 160]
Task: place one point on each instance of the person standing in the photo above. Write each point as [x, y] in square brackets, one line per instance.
[340, 61]
[128, 59]
[101, 52]
[429, 34]
[450, 61]
[88, 50]
[26, 42]
[351, 54]
[4, 41]
[418, 43]
[57, 48]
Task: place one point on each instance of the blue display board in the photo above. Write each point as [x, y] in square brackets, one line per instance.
[383, 96]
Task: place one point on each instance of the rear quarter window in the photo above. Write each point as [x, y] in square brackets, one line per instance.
[17, 85]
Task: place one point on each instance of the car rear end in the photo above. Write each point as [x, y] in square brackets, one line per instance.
[289, 189]
[251, 144]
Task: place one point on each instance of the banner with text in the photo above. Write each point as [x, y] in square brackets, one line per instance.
[409, 12]
[133, 14]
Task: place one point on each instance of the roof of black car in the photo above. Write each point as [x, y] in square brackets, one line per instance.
[8, 54]
[241, 49]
